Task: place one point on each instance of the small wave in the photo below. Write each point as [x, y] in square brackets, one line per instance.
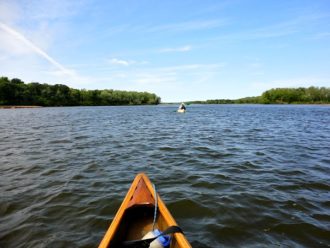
[187, 208]
[303, 232]
[81, 137]
[304, 185]
[34, 169]
[60, 141]
[234, 176]
[167, 148]
[206, 185]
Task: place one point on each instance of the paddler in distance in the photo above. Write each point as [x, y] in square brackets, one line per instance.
[182, 108]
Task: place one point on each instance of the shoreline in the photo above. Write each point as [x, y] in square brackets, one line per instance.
[169, 104]
[191, 103]
[18, 107]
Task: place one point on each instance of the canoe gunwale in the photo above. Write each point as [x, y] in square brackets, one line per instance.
[128, 204]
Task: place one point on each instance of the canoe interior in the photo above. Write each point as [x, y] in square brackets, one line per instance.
[135, 216]
[137, 221]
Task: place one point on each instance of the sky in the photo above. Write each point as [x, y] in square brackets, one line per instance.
[180, 50]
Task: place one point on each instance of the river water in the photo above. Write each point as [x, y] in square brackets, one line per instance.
[231, 175]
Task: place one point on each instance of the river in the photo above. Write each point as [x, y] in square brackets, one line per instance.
[231, 175]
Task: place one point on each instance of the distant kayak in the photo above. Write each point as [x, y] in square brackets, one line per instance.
[137, 219]
[182, 108]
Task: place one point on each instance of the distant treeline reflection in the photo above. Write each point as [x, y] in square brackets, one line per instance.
[311, 95]
[16, 92]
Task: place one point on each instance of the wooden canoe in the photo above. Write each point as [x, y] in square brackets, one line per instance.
[135, 216]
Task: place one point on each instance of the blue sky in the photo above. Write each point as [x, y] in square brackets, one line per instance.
[180, 50]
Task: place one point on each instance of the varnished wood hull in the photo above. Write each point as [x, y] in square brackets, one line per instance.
[135, 216]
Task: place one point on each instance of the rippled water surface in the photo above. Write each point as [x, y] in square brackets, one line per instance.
[232, 175]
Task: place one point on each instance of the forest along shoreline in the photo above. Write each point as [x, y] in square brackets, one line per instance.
[15, 93]
[310, 95]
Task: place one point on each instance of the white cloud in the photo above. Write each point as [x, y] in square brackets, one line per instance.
[168, 28]
[172, 83]
[115, 61]
[273, 31]
[123, 62]
[176, 49]
[187, 26]
[52, 9]
[285, 28]
[29, 44]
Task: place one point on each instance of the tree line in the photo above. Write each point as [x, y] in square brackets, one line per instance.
[311, 95]
[16, 92]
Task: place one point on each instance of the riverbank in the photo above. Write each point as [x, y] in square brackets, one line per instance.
[16, 92]
[18, 107]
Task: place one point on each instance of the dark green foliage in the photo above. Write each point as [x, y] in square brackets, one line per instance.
[15, 92]
[311, 95]
[253, 99]
[296, 95]
[11, 91]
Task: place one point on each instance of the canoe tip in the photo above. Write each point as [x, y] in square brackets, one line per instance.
[141, 174]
